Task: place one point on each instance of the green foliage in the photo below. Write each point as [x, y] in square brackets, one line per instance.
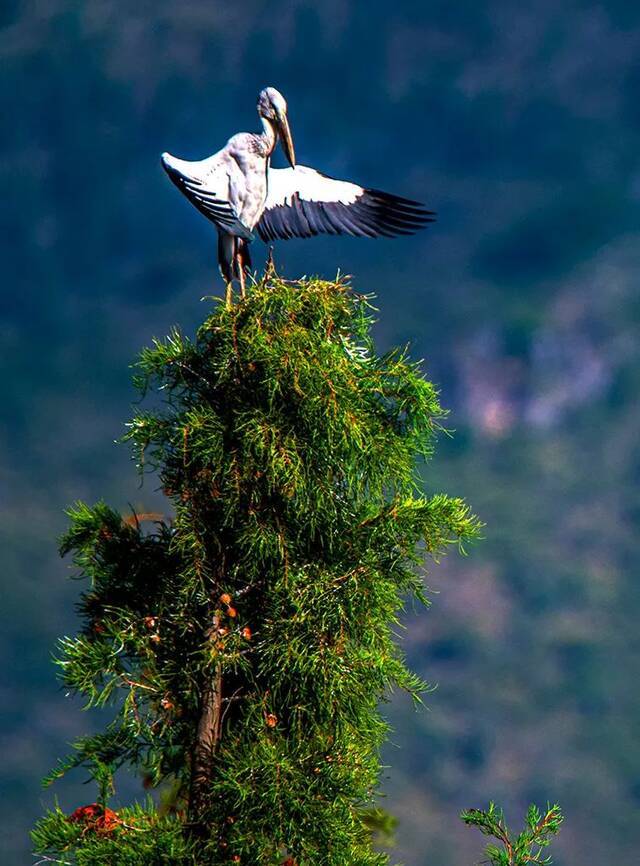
[528, 846]
[142, 838]
[287, 449]
[381, 824]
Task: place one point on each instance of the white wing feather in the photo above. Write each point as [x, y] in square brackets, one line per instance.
[309, 185]
[206, 184]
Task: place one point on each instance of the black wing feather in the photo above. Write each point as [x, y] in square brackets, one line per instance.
[373, 214]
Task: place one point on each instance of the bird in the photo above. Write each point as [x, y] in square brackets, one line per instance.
[239, 191]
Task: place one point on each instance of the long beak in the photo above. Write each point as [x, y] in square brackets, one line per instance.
[287, 141]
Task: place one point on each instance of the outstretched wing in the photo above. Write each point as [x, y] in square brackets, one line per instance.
[207, 189]
[302, 202]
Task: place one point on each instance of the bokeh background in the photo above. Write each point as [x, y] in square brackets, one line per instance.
[520, 124]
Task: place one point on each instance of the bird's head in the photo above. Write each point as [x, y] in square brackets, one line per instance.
[273, 106]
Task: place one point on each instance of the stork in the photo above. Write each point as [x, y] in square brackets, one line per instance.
[238, 190]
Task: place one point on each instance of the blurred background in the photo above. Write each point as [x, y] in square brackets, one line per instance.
[520, 124]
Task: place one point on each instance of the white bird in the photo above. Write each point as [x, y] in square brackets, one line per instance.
[237, 189]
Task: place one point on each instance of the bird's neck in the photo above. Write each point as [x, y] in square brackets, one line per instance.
[269, 135]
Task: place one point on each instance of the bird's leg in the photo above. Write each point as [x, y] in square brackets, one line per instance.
[226, 252]
[240, 263]
[236, 264]
[243, 264]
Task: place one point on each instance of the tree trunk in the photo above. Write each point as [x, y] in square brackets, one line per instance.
[206, 742]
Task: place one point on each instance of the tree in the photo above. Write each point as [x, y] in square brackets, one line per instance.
[528, 846]
[247, 642]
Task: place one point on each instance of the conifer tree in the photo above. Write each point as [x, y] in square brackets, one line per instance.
[246, 642]
[525, 848]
